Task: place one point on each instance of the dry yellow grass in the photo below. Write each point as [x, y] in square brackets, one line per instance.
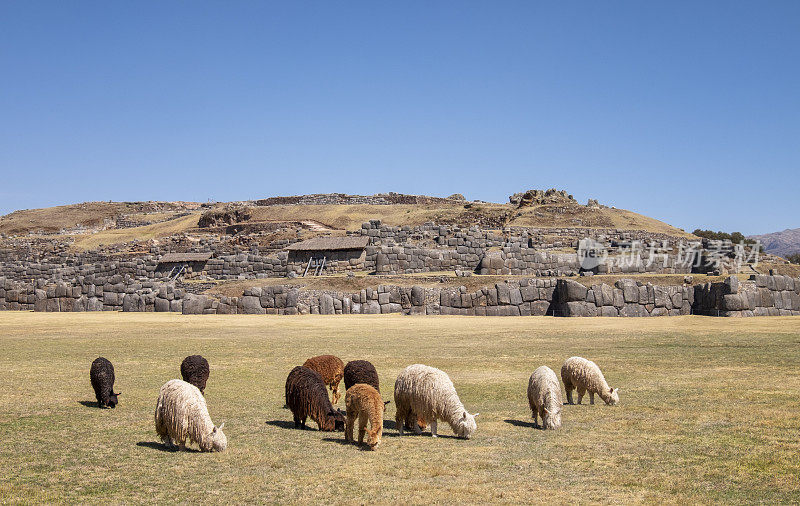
[350, 217]
[145, 233]
[710, 410]
[86, 214]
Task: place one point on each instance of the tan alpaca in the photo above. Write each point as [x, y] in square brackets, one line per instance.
[365, 403]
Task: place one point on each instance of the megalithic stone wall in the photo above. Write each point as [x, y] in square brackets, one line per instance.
[126, 295]
[760, 296]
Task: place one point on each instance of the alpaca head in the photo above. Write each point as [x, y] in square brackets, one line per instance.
[218, 440]
[112, 400]
[374, 440]
[552, 419]
[465, 426]
[552, 412]
[613, 394]
[334, 420]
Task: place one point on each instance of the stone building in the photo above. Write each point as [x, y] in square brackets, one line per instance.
[174, 264]
[327, 254]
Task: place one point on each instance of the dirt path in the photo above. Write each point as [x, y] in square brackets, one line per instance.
[317, 226]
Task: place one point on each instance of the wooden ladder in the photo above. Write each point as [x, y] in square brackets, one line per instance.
[320, 267]
[317, 264]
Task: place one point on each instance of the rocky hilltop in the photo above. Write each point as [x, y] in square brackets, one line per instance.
[780, 243]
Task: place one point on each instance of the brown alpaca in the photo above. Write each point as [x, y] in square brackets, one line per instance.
[307, 397]
[331, 368]
[365, 403]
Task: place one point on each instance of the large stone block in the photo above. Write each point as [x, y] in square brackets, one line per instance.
[529, 293]
[248, 304]
[94, 304]
[391, 307]
[731, 285]
[80, 304]
[733, 302]
[515, 296]
[132, 302]
[196, 304]
[570, 291]
[576, 308]
[503, 294]
[633, 310]
[371, 307]
[609, 311]
[161, 305]
[630, 292]
[539, 307]
[417, 296]
[326, 305]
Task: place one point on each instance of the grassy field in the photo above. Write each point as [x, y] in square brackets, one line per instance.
[709, 412]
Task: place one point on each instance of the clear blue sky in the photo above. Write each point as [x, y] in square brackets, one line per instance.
[685, 111]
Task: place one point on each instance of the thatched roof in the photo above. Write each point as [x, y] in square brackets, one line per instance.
[184, 257]
[330, 243]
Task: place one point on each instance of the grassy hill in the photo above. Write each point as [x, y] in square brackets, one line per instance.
[88, 225]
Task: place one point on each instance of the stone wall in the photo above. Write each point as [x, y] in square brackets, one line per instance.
[118, 294]
[625, 298]
[530, 237]
[518, 251]
[761, 296]
[335, 261]
[247, 266]
[392, 250]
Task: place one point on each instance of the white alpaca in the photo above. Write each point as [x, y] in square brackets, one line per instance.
[544, 397]
[181, 414]
[584, 375]
[427, 393]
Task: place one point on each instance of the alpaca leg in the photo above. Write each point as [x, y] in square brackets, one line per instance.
[400, 419]
[362, 427]
[569, 396]
[297, 422]
[591, 397]
[434, 427]
[348, 431]
[415, 425]
[581, 393]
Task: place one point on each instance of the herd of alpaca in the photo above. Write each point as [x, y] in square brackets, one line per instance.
[423, 396]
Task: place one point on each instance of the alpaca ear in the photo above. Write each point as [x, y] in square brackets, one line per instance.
[475, 415]
[221, 426]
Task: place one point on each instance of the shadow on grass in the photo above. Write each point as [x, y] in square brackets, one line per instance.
[522, 423]
[162, 447]
[362, 447]
[89, 404]
[392, 425]
[283, 424]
